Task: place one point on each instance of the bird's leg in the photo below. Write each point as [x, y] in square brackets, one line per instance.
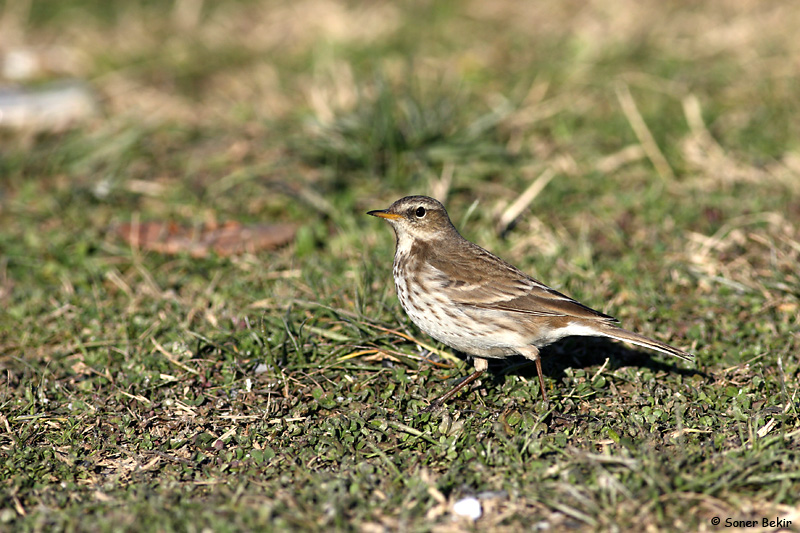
[480, 367]
[532, 353]
[541, 378]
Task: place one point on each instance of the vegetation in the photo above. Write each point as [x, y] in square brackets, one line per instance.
[286, 388]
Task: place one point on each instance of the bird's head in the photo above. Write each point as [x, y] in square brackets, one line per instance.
[417, 218]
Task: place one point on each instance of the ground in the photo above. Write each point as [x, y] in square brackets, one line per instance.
[642, 157]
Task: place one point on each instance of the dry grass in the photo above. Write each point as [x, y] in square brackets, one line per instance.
[642, 157]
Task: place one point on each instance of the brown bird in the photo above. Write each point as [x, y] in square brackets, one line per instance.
[474, 302]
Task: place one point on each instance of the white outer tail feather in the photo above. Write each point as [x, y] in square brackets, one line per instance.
[639, 340]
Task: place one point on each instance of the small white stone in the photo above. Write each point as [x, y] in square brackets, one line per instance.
[468, 507]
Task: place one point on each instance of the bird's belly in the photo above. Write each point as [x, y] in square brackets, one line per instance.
[451, 325]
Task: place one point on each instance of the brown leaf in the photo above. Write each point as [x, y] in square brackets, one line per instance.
[229, 239]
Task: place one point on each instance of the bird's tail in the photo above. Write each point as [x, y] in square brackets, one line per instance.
[646, 342]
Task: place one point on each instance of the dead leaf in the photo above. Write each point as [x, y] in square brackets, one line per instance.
[230, 238]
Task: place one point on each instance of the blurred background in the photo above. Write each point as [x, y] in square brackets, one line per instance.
[563, 133]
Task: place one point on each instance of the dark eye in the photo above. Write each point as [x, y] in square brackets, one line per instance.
[420, 212]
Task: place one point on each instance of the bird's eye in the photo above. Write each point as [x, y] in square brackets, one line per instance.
[420, 212]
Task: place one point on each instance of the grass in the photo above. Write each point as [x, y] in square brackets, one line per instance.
[286, 388]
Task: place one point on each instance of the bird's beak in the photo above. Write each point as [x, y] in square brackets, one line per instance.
[382, 213]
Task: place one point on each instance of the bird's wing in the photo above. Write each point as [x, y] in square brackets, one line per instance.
[488, 282]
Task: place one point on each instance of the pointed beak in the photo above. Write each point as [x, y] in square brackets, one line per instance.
[382, 213]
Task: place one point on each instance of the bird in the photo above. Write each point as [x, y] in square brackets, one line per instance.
[476, 303]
